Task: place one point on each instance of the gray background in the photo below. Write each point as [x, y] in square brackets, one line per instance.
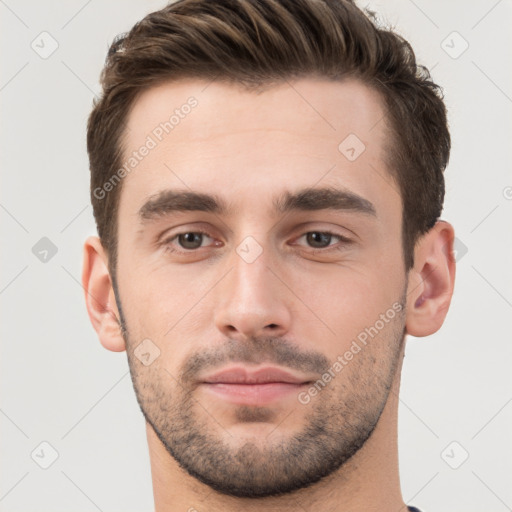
[58, 385]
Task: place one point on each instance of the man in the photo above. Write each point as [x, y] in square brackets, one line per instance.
[267, 180]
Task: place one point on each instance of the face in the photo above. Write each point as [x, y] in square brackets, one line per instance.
[260, 277]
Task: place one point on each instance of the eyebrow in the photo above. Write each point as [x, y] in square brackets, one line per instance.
[307, 199]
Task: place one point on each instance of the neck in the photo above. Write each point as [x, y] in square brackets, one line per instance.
[368, 481]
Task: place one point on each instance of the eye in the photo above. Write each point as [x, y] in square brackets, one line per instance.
[322, 239]
[188, 241]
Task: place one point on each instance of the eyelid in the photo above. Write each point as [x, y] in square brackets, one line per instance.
[167, 240]
[342, 239]
[181, 230]
[308, 227]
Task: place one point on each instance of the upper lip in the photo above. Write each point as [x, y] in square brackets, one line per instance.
[243, 375]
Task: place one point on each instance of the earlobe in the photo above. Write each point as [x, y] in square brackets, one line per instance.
[431, 281]
[99, 296]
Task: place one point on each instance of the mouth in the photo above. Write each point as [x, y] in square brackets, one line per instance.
[242, 386]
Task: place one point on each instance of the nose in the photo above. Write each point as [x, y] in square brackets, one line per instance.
[252, 300]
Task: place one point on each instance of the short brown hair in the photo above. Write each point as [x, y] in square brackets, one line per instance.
[262, 42]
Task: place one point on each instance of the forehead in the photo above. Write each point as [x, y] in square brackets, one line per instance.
[220, 138]
[328, 106]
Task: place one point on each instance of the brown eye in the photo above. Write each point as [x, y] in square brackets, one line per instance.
[324, 241]
[186, 242]
[191, 240]
[319, 239]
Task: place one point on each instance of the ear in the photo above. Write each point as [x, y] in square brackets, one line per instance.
[99, 296]
[431, 281]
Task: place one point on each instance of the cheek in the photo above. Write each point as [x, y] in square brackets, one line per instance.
[160, 303]
[346, 302]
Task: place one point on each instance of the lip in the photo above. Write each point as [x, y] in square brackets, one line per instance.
[241, 386]
[265, 375]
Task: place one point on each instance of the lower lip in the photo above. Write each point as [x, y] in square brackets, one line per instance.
[253, 394]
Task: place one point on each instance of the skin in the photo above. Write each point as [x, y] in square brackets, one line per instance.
[299, 305]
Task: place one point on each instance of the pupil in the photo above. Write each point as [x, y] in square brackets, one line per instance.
[190, 238]
[316, 237]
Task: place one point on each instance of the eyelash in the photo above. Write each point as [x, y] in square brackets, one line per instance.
[166, 243]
